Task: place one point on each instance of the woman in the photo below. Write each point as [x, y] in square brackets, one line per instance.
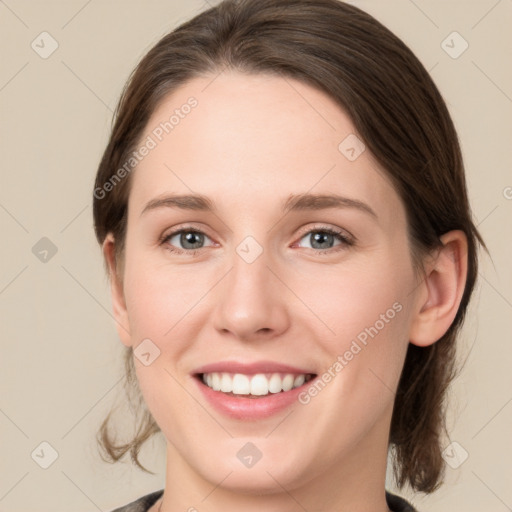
[283, 212]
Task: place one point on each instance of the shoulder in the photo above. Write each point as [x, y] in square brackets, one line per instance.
[142, 504]
[398, 504]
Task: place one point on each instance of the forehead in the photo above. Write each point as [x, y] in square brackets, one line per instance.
[234, 135]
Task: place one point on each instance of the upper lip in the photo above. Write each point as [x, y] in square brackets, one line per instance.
[250, 368]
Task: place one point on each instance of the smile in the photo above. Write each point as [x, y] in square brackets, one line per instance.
[253, 386]
[251, 391]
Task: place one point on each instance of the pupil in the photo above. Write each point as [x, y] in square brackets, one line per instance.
[195, 239]
[321, 238]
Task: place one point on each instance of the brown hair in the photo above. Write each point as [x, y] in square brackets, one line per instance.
[398, 113]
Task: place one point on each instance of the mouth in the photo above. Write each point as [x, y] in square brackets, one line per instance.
[251, 391]
[253, 386]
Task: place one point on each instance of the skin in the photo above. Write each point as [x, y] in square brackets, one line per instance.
[252, 141]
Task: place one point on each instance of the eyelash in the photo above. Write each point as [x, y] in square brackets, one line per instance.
[346, 241]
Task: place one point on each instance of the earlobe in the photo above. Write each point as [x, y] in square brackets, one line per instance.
[441, 291]
[116, 291]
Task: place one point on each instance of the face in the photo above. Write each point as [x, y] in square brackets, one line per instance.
[257, 287]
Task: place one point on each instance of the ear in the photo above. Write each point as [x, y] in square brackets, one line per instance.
[116, 291]
[441, 291]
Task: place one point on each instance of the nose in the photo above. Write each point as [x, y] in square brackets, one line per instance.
[250, 302]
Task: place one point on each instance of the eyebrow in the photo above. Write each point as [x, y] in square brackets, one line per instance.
[294, 202]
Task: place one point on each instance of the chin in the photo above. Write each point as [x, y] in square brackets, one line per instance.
[267, 475]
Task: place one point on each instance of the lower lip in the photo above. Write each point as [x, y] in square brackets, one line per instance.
[251, 408]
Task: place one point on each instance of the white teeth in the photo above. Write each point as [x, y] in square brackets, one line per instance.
[241, 384]
[288, 382]
[299, 380]
[259, 385]
[275, 384]
[216, 382]
[226, 383]
[256, 385]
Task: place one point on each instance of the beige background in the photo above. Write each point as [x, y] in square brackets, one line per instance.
[60, 365]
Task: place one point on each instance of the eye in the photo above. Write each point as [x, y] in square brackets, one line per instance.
[324, 239]
[187, 240]
[321, 239]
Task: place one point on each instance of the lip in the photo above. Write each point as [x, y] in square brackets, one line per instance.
[250, 409]
[250, 368]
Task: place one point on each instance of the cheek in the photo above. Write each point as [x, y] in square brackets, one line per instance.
[369, 310]
[166, 400]
[159, 296]
[366, 314]
[361, 296]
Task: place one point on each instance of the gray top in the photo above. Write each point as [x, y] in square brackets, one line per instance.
[395, 503]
